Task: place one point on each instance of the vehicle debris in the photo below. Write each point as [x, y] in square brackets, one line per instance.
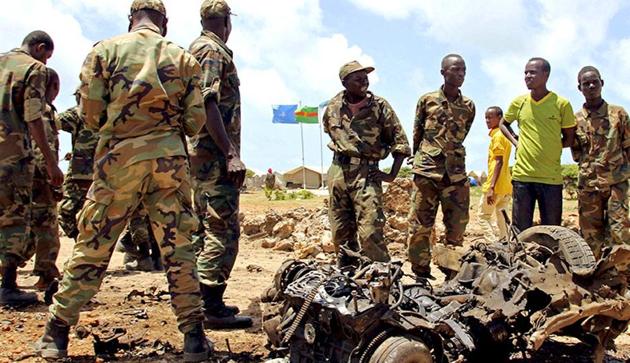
[506, 297]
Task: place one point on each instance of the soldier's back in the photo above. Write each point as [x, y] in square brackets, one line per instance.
[21, 78]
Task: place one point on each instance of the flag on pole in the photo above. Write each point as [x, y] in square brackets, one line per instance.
[284, 114]
[306, 115]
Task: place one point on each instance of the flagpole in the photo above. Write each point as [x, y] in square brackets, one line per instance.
[302, 142]
[321, 147]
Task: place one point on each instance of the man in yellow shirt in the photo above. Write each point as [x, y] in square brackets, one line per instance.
[546, 125]
[497, 190]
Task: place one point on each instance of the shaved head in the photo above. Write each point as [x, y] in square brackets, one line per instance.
[450, 59]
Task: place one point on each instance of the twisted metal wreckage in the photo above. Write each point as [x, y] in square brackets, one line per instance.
[507, 297]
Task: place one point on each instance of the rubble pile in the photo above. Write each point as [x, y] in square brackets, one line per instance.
[307, 231]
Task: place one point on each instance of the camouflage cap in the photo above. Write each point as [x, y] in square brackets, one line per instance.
[352, 67]
[156, 5]
[214, 9]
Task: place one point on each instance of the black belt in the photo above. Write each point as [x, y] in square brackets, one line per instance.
[351, 160]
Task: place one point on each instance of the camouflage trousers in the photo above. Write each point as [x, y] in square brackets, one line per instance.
[44, 236]
[16, 182]
[163, 186]
[604, 217]
[74, 191]
[216, 241]
[486, 211]
[427, 196]
[356, 210]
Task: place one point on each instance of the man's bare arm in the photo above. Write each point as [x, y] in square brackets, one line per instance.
[568, 136]
[506, 129]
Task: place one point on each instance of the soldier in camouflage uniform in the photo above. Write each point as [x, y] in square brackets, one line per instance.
[363, 129]
[217, 170]
[79, 174]
[141, 92]
[443, 119]
[44, 242]
[602, 150]
[23, 88]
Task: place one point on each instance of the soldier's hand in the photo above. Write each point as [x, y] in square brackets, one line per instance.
[55, 174]
[236, 170]
[67, 157]
[381, 176]
[410, 160]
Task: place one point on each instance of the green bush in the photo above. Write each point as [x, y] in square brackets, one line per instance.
[250, 173]
[569, 180]
[405, 172]
[299, 194]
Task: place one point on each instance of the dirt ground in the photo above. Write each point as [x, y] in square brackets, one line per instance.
[136, 305]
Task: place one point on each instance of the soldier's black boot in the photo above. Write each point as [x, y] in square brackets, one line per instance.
[9, 293]
[217, 314]
[54, 343]
[197, 348]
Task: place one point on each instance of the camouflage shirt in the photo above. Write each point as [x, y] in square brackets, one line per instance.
[439, 131]
[220, 82]
[50, 127]
[141, 92]
[602, 147]
[372, 133]
[83, 145]
[22, 89]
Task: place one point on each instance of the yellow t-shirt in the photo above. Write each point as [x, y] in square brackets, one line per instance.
[540, 137]
[499, 146]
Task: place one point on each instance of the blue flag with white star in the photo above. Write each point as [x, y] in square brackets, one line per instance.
[284, 114]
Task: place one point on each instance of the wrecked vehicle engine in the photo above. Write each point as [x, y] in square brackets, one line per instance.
[508, 296]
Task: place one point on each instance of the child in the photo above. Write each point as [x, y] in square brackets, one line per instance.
[497, 190]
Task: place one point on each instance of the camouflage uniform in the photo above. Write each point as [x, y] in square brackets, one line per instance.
[359, 141]
[142, 93]
[44, 241]
[22, 86]
[602, 150]
[216, 198]
[79, 175]
[440, 173]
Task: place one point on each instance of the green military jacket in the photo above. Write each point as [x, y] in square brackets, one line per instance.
[219, 81]
[141, 92]
[22, 90]
[50, 127]
[602, 147]
[84, 143]
[439, 131]
[372, 133]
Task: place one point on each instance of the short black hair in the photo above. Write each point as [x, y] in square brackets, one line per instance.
[496, 109]
[546, 67]
[451, 55]
[51, 75]
[37, 37]
[154, 15]
[588, 69]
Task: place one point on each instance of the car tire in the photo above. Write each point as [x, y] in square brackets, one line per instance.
[402, 349]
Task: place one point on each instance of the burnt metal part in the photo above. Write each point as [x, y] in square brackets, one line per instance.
[506, 297]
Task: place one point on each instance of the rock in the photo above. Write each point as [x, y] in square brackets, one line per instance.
[253, 225]
[326, 242]
[304, 250]
[284, 245]
[268, 243]
[299, 237]
[271, 219]
[398, 223]
[283, 229]
[397, 197]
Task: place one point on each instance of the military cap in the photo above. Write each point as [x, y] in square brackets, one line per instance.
[352, 67]
[156, 5]
[214, 9]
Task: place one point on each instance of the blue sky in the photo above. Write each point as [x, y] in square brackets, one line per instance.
[290, 50]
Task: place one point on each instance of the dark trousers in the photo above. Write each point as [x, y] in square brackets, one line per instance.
[525, 195]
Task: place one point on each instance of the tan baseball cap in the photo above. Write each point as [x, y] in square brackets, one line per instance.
[214, 9]
[352, 67]
[156, 5]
